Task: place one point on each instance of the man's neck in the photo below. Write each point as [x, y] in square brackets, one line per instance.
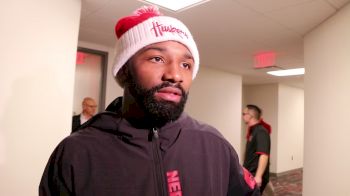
[253, 122]
[86, 115]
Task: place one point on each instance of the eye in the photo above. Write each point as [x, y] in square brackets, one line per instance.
[187, 66]
[157, 59]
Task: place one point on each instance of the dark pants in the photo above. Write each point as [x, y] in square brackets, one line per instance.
[263, 185]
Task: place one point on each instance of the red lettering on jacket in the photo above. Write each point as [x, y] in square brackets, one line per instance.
[178, 193]
[174, 185]
[249, 179]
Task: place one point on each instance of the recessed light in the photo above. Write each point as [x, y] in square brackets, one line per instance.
[288, 72]
[175, 5]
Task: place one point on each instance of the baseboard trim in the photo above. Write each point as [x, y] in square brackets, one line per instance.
[285, 172]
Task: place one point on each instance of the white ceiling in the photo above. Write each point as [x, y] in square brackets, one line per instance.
[228, 32]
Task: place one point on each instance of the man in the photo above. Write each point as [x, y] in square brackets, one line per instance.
[145, 144]
[258, 145]
[89, 109]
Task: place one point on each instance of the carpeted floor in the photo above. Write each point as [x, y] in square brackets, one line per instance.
[289, 184]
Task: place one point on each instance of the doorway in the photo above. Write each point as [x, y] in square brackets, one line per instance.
[90, 78]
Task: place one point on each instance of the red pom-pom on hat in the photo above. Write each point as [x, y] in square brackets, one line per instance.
[138, 17]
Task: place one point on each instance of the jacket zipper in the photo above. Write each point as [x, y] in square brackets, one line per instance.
[158, 163]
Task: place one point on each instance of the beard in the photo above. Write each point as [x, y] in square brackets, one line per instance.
[157, 112]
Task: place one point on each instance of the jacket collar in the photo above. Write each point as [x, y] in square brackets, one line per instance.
[111, 121]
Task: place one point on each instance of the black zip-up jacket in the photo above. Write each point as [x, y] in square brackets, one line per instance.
[110, 157]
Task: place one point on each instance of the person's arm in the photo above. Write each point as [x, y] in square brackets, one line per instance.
[263, 161]
[241, 181]
[263, 150]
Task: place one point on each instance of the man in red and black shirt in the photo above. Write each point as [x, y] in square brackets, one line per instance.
[257, 153]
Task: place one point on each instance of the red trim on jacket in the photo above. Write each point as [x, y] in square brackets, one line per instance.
[263, 123]
[266, 125]
[262, 153]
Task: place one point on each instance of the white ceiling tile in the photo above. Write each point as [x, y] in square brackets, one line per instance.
[93, 5]
[270, 5]
[101, 24]
[338, 3]
[302, 18]
[97, 37]
[241, 25]
[116, 9]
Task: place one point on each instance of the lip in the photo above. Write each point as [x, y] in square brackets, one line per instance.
[172, 94]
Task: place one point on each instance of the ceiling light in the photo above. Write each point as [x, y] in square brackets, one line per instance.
[177, 6]
[288, 72]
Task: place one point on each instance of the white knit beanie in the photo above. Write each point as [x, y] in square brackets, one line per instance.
[147, 26]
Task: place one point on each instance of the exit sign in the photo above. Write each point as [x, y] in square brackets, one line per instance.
[264, 59]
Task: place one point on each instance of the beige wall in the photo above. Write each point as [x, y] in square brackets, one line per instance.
[215, 98]
[327, 104]
[38, 50]
[290, 140]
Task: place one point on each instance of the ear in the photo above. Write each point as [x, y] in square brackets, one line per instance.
[123, 75]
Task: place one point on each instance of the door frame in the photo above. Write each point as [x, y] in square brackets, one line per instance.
[103, 82]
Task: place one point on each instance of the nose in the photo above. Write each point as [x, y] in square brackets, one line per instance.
[172, 73]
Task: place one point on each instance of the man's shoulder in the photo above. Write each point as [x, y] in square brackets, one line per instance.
[201, 129]
[260, 132]
[102, 121]
[85, 139]
[82, 135]
[197, 125]
[258, 127]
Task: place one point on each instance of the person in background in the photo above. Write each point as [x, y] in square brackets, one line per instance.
[145, 144]
[89, 109]
[257, 152]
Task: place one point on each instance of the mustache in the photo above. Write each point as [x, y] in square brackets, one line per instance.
[168, 84]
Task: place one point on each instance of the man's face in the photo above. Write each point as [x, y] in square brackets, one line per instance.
[160, 79]
[89, 107]
[246, 115]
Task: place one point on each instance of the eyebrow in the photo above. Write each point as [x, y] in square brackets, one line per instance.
[187, 55]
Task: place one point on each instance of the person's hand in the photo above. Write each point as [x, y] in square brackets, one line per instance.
[258, 180]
